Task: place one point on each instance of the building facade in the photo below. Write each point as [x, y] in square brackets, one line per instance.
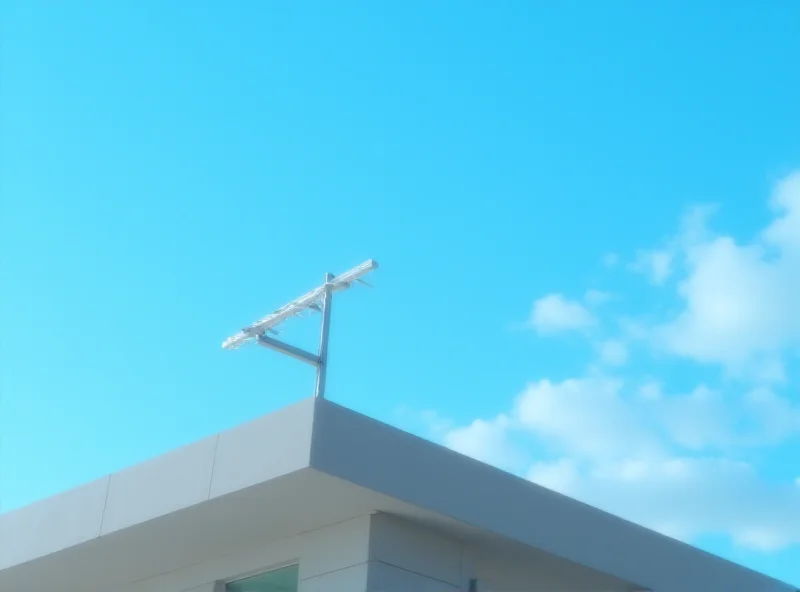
[315, 498]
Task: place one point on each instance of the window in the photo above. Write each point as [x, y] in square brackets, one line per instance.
[279, 580]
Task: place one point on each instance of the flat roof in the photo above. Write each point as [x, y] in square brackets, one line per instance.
[316, 463]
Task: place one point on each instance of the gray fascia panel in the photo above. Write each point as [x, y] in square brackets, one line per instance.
[266, 448]
[379, 457]
[326, 437]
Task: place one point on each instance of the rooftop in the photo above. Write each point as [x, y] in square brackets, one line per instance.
[316, 463]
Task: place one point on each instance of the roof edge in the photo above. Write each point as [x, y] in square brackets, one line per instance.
[385, 459]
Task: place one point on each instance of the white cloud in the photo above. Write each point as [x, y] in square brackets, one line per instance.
[738, 307]
[654, 459]
[485, 440]
[660, 264]
[656, 264]
[610, 260]
[784, 232]
[613, 352]
[684, 497]
[596, 297]
[651, 390]
[585, 417]
[679, 463]
[562, 475]
[706, 419]
[427, 423]
[599, 417]
[739, 301]
[554, 313]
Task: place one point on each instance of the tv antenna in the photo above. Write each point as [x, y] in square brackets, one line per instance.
[317, 300]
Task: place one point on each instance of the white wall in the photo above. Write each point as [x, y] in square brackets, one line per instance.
[372, 553]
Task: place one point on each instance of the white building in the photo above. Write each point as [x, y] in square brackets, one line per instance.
[318, 498]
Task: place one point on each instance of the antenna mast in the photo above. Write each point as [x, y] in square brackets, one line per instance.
[319, 300]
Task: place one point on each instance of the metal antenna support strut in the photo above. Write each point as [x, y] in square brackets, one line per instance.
[324, 334]
[319, 299]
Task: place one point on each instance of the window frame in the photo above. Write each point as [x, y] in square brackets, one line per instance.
[222, 585]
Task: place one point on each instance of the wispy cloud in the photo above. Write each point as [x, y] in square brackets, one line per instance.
[739, 300]
[613, 352]
[555, 314]
[686, 463]
[655, 264]
[667, 462]
[610, 260]
[594, 297]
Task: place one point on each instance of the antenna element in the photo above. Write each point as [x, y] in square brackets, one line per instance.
[319, 300]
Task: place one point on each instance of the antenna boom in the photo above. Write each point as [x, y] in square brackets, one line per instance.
[318, 300]
[308, 300]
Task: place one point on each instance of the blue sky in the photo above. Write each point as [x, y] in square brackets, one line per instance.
[586, 215]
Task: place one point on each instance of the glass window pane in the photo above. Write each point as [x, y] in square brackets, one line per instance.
[279, 580]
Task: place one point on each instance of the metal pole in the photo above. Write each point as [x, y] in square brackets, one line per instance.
[322, 368]
[289, 350]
